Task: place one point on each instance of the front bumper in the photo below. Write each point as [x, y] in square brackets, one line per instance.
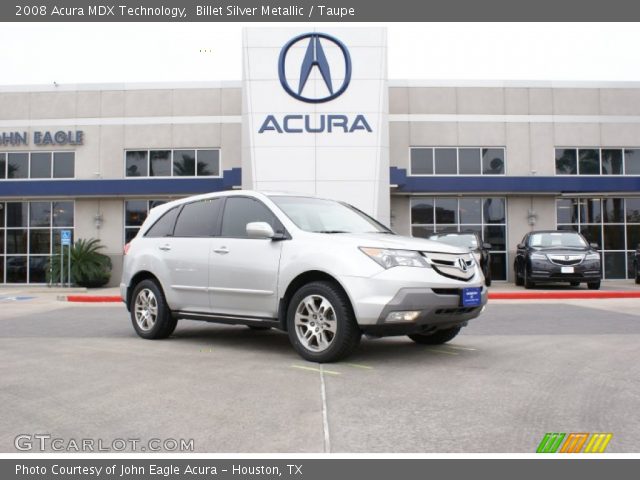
[436, 298]
[545, 271]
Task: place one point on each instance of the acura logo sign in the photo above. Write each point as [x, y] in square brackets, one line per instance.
[315, 58]
[462, 265]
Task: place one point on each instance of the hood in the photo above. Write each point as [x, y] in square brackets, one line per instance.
[563, 250]
[400, 242]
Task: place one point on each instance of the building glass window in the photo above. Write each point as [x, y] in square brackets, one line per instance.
[19, 165]
[597, 161]
[485, 215]
[612, 223]
[173, 163]
[29, 235]
[135, 213]
[457, 161]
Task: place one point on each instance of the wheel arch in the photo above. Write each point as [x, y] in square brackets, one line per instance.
[136, 279]
[296, 283]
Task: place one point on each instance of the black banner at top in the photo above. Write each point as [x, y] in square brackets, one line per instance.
[316, 10]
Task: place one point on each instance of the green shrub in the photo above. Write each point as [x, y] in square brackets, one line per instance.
[89, 267]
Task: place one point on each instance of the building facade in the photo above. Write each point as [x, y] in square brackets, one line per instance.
[315, 113]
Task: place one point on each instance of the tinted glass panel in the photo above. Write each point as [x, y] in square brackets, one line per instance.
[422, 210]
[184, 163]
[40, 214]
[422, 161]
[611, 162]
[17, 165]
[445, 161]
[470, 210]
[496, 236]
[632, 161]
[129, 234]
[64, 165]
[137, 164]
[17, 214]
[62, 214]
[240, 211]
[208, 163]
[614, 264]
[197, 219]
[633, 237]
[40, 240]
[1, 248]
[135, 212]
[17, 241]
[37, 269]
[613, 210]
[446, 228]
[566, 161]
[469, 161]
[446, 210]
[589, 161]
[567, 210]
[164, 226]
[593, 234]
[40, 165]
[494, 210]
[3, 174]
[633, 210]
[590, 210]
[614, 237]
[160, 163]
[570, 228]
[422, 232]
[498, 266]
[16, 270]
[492, 161]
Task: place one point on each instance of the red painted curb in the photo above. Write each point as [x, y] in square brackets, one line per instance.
[565, 295]
[94, 298]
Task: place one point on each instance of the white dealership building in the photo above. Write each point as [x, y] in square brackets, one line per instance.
[315, 113]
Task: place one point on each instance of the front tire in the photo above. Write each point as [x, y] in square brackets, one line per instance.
[321, 324]
[150, 314]
[437, 338]
[519, 279]
[487, 278]
[637, 275]
[594, 285]
[528, 283]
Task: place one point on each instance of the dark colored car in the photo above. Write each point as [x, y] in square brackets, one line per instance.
[474, 243]
[557, 256]
[636, 265]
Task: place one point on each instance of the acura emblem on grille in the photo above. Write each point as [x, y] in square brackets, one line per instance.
[462, 265]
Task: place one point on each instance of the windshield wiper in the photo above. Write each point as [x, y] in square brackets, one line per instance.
[330, 231]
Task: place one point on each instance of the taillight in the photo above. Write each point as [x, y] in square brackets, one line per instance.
[127, 246]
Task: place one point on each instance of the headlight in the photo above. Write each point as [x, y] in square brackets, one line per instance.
[538, 256]
[388, 258]
[592, 256]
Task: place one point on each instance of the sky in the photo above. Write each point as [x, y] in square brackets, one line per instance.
[43, 53]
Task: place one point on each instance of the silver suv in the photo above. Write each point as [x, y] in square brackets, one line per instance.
[319, 269]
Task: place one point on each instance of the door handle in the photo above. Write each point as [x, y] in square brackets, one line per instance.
[221, 250]
[165, 247]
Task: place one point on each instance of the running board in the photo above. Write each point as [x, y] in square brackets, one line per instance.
[228, 319]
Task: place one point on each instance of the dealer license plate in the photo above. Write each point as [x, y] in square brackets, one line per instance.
[566, 269]
[471, 297]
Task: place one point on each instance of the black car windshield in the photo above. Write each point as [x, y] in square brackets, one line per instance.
[327, 216]
[465, 240]
[556, 239]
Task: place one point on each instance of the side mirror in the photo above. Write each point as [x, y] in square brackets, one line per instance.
[260, 230]
[520, 246]
[595, 246]
[486, 246]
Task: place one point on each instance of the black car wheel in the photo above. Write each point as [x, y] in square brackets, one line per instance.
[528, 283]
[594, 285]
[437, 338]
[519, 279]
[487, 277]
[637, 274]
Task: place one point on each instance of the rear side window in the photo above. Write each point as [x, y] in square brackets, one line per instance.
[198, 219]
[239, 211]
[164, 226]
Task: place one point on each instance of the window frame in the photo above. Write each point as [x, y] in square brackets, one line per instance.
[171, 150]
[457, 149]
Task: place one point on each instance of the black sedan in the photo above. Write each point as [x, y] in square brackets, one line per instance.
[636, 265]
[473, 242]
[557, 256]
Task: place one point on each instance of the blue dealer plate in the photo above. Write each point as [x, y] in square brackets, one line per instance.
[471, 297]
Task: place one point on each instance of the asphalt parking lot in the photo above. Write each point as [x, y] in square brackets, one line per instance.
[522, 369]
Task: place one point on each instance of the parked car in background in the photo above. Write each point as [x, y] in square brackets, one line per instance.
[636, 265]
[473, 242]
[557, 256]
[319, 269]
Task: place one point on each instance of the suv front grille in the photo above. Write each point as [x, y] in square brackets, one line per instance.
[566, 259]
[451, 265]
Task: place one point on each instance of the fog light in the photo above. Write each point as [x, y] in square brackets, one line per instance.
[409, 316]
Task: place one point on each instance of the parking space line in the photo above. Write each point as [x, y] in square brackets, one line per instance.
[325, 413]
[444, 352]
[312, 369]
[456, 347]
[357, 365]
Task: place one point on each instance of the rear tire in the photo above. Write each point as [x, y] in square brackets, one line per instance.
[437, 338]
[321, 324]
[594, 285]
[150, 314]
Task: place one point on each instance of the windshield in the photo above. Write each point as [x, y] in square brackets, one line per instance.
[327, 216]
[464, 240]
[555, 239]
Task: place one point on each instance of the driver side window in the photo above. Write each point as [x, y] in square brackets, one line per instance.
[239, 211]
